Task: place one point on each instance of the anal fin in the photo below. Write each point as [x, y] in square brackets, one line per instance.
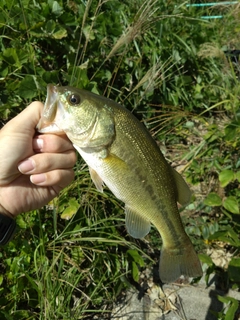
[136, 225]
[183, 192]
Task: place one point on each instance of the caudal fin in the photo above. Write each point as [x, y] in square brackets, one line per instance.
[177, 262]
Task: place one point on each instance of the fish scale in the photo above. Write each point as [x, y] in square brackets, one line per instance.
[121, 153]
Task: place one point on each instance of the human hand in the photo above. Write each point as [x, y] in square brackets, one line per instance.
[33, 168]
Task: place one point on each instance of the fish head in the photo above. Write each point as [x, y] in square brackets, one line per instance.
[84, 117]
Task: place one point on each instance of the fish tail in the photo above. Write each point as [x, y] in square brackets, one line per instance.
[175, 262]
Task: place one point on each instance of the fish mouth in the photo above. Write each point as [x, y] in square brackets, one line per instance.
[47, 122]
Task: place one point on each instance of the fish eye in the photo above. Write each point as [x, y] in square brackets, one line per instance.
[74, 99]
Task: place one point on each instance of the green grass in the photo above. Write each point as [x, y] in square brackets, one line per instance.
[166, 65]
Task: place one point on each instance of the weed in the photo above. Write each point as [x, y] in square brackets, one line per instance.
[170, 67]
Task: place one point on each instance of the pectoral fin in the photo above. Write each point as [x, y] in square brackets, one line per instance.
[96, 179]
[183, 192]
[137, 226]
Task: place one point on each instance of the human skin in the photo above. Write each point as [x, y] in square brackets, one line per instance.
[34, 168]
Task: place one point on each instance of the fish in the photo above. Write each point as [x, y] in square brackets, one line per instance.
[122, 155]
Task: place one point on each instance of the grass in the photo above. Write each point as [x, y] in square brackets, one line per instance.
[71, 259]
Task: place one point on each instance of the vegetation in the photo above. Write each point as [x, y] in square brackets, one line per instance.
[71, 259]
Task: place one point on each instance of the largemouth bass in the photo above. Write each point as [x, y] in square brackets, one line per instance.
[121, 154]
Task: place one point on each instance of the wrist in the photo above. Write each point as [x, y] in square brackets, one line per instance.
[6, 213]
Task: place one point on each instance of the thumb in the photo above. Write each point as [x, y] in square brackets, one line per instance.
[27, 120]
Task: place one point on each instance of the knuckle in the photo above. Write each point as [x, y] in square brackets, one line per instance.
[71, 157]
[64, 177]
[47, 161]
[50, 143]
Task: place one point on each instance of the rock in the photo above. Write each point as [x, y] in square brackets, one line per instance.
[173, 302]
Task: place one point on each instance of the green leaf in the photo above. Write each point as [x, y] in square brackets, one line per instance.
[205, 232]
[213, 199]
[80, 79]
[237, 176]
[223, 299]
[205, 259]
[21, 222]
[225, 177]
[233, 306]
[89, 33]
[231, 204]
[135, 271]
[136, 257]
[233, 269]
[50, 76]
[72, 208]
[21, 314]
[56, 8]
[23, 56]
[230, 132]
[230, 314]
[3, 71]
[59, 33]
[28, 88]
[10, 56]
[37, 29]
[227, 236]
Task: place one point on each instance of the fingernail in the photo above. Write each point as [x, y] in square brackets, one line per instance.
[26, 166]
[37, 144]
[38, 178]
